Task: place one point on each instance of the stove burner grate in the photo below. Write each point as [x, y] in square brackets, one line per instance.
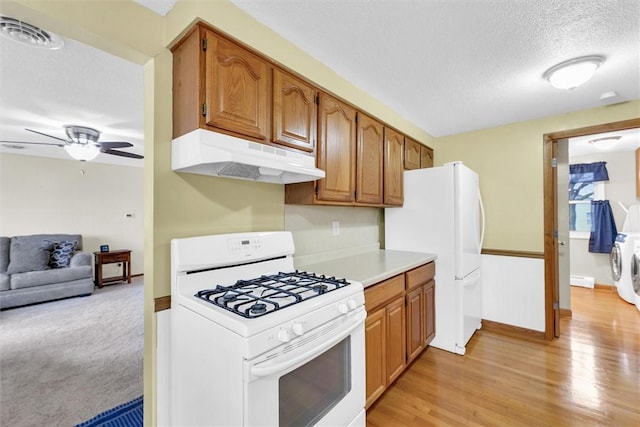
[266, 294]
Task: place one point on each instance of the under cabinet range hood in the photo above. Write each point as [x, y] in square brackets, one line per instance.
[211, 153]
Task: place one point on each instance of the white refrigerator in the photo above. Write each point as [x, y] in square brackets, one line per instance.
[443, 214]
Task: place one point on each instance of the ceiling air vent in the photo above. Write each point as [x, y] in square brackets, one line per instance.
[25, 33]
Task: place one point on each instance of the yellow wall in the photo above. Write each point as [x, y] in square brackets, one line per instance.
[509, 161]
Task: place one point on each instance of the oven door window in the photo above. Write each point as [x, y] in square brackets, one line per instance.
[312, 390]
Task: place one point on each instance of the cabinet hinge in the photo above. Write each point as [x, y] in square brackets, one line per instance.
[554, 162]
[204, 44]
[556, 305]
[555, 234]
[204, 110]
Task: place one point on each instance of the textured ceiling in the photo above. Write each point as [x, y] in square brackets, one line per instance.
[456, 66]
[447, 66]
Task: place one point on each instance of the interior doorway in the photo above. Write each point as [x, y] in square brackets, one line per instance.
[552, 239]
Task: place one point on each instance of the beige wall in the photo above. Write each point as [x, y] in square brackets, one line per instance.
[509, 162]
[42, 195]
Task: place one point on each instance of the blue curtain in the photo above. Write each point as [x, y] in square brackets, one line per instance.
[603, 227]
[588, 172]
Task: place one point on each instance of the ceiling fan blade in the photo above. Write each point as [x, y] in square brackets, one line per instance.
[115, 144]
[50, 136]
[33, 143]
[121, 153]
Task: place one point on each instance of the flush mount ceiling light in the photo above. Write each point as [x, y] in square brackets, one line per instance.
[574, 72]
[606, 142]
[27, 34]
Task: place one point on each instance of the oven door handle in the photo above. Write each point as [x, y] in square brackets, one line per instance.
[271, 367]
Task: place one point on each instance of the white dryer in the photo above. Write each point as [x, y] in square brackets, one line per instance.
[620, 261]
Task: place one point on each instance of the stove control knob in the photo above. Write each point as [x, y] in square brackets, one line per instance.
[352, 304]
[297, 329]
[342, 308]
[283, 336]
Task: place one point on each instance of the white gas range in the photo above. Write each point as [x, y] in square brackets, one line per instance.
[257, 343]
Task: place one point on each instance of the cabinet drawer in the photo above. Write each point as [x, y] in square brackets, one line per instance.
[110, 258]
[384, 291]
[421, 275]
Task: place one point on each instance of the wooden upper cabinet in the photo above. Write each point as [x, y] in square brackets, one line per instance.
[336, 150]
[393, 170]
[294, 112]
[236, 88]
[411, 154]
[369, 160]
[426, 157]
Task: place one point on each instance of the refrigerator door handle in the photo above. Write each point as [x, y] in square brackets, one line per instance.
[483, 221]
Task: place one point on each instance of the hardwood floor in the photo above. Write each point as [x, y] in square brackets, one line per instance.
[589, 376]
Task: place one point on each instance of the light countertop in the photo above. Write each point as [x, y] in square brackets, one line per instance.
[368, 267]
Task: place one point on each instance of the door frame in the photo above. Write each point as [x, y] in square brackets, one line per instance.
[550, 210]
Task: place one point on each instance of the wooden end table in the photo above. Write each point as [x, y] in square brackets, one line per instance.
[116, 256]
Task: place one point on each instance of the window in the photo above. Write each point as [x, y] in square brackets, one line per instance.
[580, 196]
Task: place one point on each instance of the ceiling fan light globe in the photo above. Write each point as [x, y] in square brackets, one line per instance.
[84, 152]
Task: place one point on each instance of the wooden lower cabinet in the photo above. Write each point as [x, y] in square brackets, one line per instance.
[415, 323]
[400, 324]
[395, 345]
[375, 341]
[430, 311]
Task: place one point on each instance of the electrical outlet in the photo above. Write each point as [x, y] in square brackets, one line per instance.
[335, 225]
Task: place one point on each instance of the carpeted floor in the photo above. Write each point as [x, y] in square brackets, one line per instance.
[64, 362]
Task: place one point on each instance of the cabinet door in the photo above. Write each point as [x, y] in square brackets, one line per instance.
[411, 154]
[236, 91]
[294, 112]
[375, 344]
[336, 150]
[396, 339]
[369, 160]
[393, 178]
[426, 157]
[415, 323]
[430, 311]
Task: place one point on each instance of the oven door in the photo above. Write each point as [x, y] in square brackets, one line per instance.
[317, 381]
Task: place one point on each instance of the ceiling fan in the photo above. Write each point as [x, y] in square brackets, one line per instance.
[82, 143]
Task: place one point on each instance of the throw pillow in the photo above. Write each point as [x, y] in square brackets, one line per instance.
[25, 255]
[61, 253]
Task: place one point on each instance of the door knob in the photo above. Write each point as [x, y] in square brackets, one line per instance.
[561, 242]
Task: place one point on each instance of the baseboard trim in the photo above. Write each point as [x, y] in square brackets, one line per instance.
[565, 312]
[162, 303]
[512, 331]
[603, 287]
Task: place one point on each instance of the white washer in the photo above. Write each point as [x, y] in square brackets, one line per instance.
[620, 261]
[635, 271]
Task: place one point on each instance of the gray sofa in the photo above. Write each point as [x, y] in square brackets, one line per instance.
[43, 267]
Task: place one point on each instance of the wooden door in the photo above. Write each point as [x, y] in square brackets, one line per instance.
[426, 157]
[393, 167]
[430, 311]
[396, 339]
[294, 112]
[336, 150]
[415, 323]
[375, 345]
[411, 154]
[236, 91]
[369, 160]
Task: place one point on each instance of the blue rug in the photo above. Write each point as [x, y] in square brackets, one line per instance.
[125, 415]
